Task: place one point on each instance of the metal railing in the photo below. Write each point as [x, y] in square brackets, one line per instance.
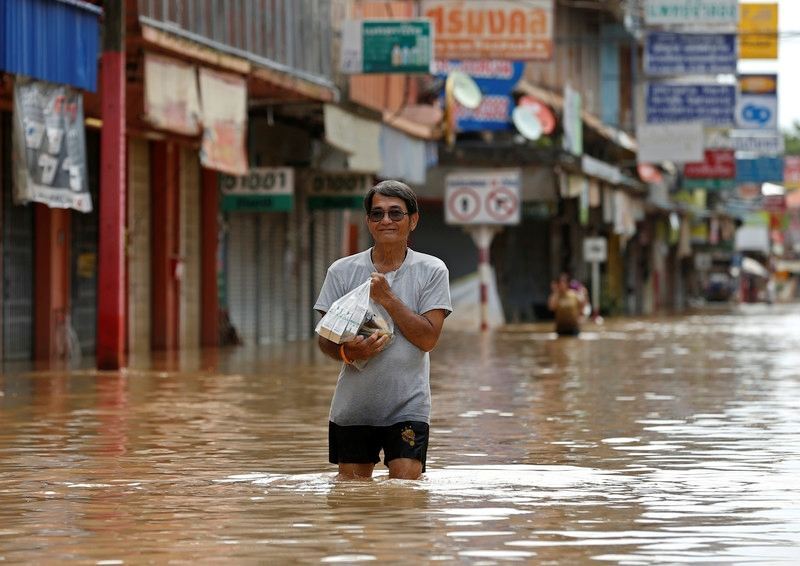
[293, 36]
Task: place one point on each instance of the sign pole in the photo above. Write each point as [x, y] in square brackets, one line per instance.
[595, 288]
[482, 235]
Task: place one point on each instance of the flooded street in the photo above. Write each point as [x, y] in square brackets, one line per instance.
[643, 441]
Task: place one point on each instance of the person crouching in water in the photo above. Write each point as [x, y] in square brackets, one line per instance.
[568, 305]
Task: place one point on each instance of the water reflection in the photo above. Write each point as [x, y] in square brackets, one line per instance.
[641, 441]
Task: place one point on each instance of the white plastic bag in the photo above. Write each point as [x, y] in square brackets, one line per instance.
[344, 319]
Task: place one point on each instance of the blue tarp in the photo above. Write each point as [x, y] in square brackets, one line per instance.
[51, 40]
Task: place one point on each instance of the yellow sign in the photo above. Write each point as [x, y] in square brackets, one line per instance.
[758, 31]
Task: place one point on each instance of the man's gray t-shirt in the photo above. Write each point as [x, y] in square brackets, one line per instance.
[394, 386]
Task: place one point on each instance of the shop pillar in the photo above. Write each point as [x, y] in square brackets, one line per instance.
[51, 294]
[209, 331]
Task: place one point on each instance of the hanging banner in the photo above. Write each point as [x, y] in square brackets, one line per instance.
[171, 101]
[689, 54]
[224, 107]
[711, 104]
[263, 189]
[49, 146]
[492, 29]
[758, 31]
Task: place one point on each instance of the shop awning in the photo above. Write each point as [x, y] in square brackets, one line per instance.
[51, 40]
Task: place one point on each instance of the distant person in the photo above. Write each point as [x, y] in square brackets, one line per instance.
[387, 404]
[567, 304]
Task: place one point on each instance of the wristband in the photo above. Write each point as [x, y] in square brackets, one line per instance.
[344, 356]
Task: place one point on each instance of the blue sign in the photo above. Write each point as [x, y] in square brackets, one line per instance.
[690, 54]
[710, 104]
[759, 170]
[496, 79]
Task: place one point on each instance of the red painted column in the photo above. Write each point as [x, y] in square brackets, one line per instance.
[52, 272]
[164, 177]
[111, 290]
[209, 293]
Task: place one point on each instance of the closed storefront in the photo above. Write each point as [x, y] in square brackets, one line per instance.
[189, 303]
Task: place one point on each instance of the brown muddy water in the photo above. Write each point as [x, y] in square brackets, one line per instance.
[673, 440]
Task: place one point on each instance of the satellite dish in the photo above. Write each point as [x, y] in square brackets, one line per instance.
[463, 89]
[527, 122]
[543, 113]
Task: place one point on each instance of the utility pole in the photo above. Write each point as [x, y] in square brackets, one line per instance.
[111, 261]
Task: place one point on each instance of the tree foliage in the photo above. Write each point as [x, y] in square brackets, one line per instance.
[792, 138]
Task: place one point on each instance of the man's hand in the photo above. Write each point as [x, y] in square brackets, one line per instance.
[362, 348]
[379, 290]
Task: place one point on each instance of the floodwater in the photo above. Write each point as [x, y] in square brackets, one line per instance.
[670, 440]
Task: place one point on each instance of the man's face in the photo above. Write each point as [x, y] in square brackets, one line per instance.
[386, 230]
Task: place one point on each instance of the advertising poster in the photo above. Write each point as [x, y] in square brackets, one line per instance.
[50, 146]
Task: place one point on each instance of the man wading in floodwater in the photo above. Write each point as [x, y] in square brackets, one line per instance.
[387, 404]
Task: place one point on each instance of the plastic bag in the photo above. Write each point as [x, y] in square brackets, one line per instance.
[352, 315]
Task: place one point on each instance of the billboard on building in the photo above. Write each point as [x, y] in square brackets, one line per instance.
[492, 29]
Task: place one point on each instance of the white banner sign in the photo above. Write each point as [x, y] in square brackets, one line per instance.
[483, 197]
[721, 13]
[681, 143]
[763, 143]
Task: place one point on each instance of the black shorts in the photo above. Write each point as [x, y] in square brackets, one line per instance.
[361, 444]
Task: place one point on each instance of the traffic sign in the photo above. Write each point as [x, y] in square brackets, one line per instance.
[595, 250]
[490, 197]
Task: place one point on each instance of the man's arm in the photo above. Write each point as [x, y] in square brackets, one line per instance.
[422, 330]
[359, 349]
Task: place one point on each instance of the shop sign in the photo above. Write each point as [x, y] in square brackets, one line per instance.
[387, 46]
[680, 143]
[50, 146]
[710, 104]
[496, 80]
[337, 190]
[717, 164]
[758, 31]
[595, 249]
[713, 185]
[573, 121]
[759, 170]
[703, 13]
[689, 54]
[483, 197]
[749, 141]
[263, 189]
[492, 29]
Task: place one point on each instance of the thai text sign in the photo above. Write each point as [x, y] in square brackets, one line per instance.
[691, 12]
[337, 190]
[263, 189]
[759, 170]
[492, 29]
[496, 79]
[717, 164]
[50, 146]
[387, 46]
[767, 143]
[758, 31]
[710, 104]
[483, 197]
[697, 54]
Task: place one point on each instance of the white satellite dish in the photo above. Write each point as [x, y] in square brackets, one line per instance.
[527, 122]
[463, 89]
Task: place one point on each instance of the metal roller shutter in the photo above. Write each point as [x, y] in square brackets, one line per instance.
[138, 251]
[189, 323]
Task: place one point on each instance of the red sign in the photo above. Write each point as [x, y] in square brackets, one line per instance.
[775, 203]
[791, 171]
[717, 164]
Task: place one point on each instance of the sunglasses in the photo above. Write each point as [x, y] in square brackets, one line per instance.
[395, 214]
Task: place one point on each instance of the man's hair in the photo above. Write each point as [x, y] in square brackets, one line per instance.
[393, 189]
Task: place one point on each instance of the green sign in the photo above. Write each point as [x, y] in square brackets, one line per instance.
[337, 190]
[263, 189]
[387, 46]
